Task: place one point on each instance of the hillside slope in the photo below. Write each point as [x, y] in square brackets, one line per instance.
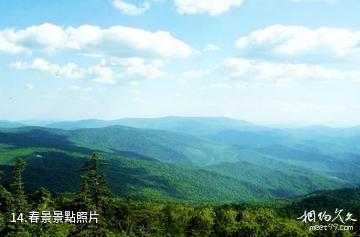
[152, 164]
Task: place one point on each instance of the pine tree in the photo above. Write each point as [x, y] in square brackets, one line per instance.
[17, 203]
[93, 181]
[91, 197]
[18, 189]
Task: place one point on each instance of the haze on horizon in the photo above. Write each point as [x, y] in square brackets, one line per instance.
[269, 124]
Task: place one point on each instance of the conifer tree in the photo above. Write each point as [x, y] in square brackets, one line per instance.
[16, 203]
[93, 181]
[18, 189]
[91, 197]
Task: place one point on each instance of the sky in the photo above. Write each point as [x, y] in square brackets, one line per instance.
[271, 62]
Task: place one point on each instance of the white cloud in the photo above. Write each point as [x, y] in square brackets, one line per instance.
[211, 47]
[107, 72]
[10, 48]
[131, 9]
[152, 70]
[98, 73]
[104, 75]
[117, 41]
[283, 73]
[299, 40]
[211, 7]
[136, 67]
[69, 70]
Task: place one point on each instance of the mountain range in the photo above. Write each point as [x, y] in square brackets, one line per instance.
[186, 158]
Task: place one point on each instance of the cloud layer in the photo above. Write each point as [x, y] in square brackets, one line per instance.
[115, 41]
[131, 9]
[98, 73]
[192, 7]
[289, 40]
[284, 73]
[107, 72]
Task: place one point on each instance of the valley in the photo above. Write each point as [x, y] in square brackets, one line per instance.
[186, 159]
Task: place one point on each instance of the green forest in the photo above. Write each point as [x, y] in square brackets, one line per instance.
[186, 159]
[118, 216]
[177, 177]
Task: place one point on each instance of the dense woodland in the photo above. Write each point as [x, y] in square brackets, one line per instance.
[119, 216]
[187, 159]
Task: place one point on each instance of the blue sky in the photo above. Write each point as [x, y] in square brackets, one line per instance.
[283, 61]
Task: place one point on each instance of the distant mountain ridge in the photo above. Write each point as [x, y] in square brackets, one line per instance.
[10, 124]
[174, 158]
[192, 125]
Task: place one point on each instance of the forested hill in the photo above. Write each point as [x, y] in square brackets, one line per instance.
[189, 125]
[235, 161]
[111, 215]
